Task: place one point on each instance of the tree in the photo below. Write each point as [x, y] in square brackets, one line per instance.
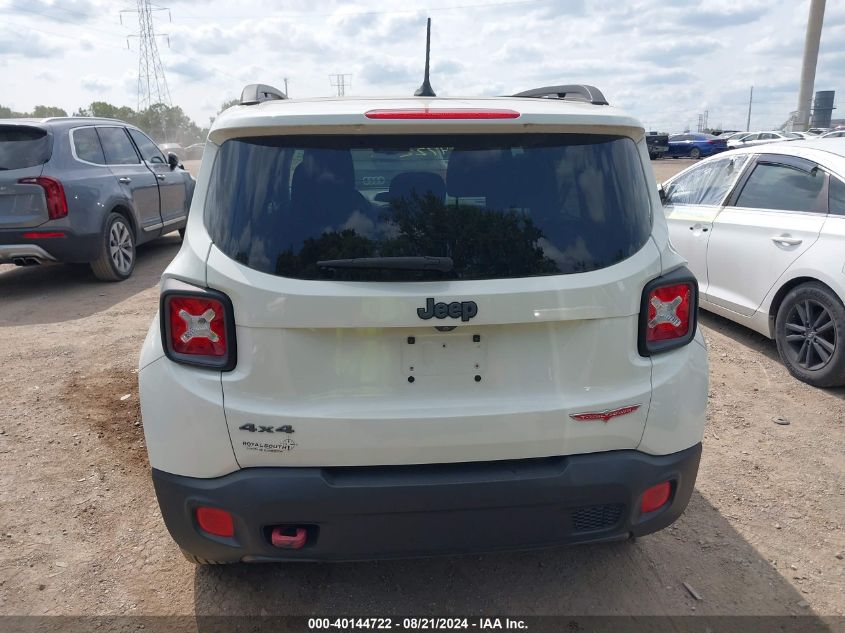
[228, 104]
[42, 111]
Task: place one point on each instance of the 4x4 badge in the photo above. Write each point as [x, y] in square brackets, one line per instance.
[464, 310]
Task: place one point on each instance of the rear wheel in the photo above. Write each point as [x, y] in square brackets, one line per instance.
[810, 335]
[695, 153]
[117, 256]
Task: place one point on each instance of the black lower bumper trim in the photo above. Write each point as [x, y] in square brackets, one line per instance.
[72, 248]
[360, 513]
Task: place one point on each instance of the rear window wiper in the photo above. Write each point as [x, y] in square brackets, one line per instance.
[441, 264]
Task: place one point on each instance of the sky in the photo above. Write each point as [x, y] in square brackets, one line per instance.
[664, 62]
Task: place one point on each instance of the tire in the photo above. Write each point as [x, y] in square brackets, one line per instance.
[202, 561]
[810, 325]
[695, 153]
[117, 256]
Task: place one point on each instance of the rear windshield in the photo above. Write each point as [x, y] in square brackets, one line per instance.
[499, 205]
[23, 147]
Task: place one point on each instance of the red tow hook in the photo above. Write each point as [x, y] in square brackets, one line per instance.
[279, 538]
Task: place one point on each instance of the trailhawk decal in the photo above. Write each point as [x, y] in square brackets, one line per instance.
[463, 310]
[604, 416]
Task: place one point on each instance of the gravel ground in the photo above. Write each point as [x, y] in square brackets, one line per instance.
[81, 532]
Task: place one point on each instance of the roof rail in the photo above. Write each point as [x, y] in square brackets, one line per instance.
[257, 93]
[581, 92]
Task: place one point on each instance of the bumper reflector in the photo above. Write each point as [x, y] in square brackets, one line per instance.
[215, 521]
[655, 497]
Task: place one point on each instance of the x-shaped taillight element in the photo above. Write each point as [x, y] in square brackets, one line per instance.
[665, 312]
[198, 326]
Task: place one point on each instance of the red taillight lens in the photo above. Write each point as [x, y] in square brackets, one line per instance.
[655, 497]
[40, 235]
[215, 521]
[668, 312]
[441, 113]
[198, 328]
[54, 193]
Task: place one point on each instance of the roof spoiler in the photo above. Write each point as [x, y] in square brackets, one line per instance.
[258, 93]
[579, 92]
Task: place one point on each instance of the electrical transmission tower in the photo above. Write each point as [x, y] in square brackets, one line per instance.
[341, 82]
[152, 84]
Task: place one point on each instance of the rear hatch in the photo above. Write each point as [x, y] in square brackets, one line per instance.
[361, 362]
[23, 151]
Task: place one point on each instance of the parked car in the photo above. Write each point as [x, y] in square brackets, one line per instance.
[491, 360]
[695, 145]
[658, 145]
[818, 131]
[834, 134]
[194, 152]
[84, 190]
[733, 136]
[763, 229]
[761, 138]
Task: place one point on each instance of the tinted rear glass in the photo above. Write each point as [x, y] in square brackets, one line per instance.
[23, 147]
[503, 205]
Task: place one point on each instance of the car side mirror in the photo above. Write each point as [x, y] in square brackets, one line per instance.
[662, 193]
[173, 160]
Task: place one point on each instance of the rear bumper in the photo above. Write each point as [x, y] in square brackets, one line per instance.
[72, 248]
[360, 513]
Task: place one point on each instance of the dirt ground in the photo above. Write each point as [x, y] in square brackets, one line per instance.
[80, 531]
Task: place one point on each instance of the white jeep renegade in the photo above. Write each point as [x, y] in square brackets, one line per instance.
[401, 327]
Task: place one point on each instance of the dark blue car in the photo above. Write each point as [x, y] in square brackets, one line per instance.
[695, 145]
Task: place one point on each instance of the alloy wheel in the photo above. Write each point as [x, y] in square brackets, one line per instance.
[121, 248]
[810, 335]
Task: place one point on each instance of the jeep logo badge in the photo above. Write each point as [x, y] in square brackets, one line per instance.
[464, 310]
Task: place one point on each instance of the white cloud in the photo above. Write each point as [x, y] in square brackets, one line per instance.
[664, 62]
[17, 43]
[93, 83]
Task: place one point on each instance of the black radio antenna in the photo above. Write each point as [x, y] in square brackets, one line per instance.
[426, 90]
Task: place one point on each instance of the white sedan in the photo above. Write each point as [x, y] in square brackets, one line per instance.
[763, 229]
[761, 138]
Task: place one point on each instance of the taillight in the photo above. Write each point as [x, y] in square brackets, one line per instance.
[668, 312]
[54, 193]
[442, 113]
[198, 328]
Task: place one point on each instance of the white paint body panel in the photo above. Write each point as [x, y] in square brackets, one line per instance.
[332, 359]
[744, 270]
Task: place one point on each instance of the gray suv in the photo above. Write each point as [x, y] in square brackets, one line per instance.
[85, 190]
